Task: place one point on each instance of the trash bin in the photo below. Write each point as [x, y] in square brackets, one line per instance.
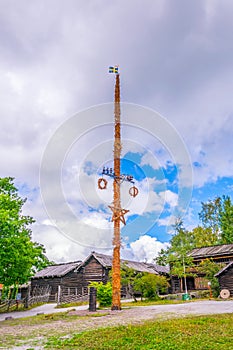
[186, 297]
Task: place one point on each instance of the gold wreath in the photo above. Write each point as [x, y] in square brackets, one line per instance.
[133, 191]
[102, 183]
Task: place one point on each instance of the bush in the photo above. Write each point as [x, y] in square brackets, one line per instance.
[150, 286]
[104, 293]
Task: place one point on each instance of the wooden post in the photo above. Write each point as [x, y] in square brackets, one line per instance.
[59, 295]
[116, 277]
[92, 299]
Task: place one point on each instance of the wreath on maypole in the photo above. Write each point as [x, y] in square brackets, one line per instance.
[102, 183]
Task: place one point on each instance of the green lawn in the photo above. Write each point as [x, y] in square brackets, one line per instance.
[193, 333]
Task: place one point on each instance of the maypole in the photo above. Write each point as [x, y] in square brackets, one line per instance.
[116, 277]
[117, 212]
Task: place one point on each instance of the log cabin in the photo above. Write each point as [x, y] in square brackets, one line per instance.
[76, 276]
[225, 278]
[218, 253]
[57, 275]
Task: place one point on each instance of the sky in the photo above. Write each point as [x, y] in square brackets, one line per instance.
[57, 116]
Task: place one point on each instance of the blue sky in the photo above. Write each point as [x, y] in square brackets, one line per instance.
[176, 71]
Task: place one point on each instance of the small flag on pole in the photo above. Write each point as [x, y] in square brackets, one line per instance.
[113, 69]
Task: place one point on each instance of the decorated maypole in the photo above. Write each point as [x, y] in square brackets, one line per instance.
[117, 212]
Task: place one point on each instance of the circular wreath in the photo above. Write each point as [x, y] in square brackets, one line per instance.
[102, 183]
[133, 191]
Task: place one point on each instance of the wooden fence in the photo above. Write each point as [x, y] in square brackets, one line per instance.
[10, 305]
[39, 296]
[68, 295]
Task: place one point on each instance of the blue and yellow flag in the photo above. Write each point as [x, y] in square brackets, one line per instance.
[113, 69]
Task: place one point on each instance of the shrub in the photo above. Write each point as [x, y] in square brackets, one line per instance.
[104, 293]
[150, 285]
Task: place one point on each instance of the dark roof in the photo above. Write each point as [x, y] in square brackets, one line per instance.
[160, 269]
[106, 261]
[224, 269]
[213, 251]
[60, 270]
[57, 270]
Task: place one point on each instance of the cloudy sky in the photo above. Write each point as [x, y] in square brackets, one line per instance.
[176, 71]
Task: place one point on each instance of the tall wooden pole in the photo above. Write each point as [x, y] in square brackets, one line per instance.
[116, 277]
[117, 212]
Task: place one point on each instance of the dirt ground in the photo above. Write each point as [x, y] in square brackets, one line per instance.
[108, 318]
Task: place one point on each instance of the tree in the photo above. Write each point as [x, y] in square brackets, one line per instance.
[217, 215]
[150, 285]
[203, 237]
[177, 254]
[210, 268]
[209, 214]
[163, 257]
[226, 221]
[128, 276]
[19, 256]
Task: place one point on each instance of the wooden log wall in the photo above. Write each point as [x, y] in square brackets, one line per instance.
[52, 282]
[226, 280]
[74, 282]
[93, 271]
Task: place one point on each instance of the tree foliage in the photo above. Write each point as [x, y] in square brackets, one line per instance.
[217, 228]
[150, 286]
[104, 293]
[203, 237]
[209, 214]
[226, 221]
[217, 216]
[19, 256]
[128, 276]
[210, 268]
[176, 255]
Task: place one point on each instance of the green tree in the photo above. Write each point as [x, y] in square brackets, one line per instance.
[203, 237]
[217, 215]
[150, 285]
[19, 256]
[163, 257]
[177, 254]
[210, 268]
[104, 293]
[226, 221]
[128, 276]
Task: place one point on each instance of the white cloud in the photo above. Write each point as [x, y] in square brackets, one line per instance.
[59, 66]
[146, 248]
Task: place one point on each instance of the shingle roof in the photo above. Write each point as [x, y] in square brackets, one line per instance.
[106, 261]
[224, 269]
[213, 251]
[57, 270]
[60, 270]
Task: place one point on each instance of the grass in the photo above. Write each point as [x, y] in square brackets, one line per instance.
[193, 333]
[30, 329]
[77, 303]
[46, 319]
[153, 302]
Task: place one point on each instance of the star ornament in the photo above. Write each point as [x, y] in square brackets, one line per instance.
[118, 214]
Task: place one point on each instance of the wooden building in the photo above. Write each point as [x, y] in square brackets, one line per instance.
[76, 276]
[218, 253]
[64, 275]
[225, 278]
